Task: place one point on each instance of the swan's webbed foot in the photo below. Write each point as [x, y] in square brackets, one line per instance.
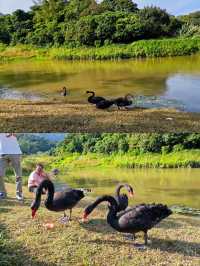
[145, 245]
[64, 220]
[130, 237]
[140, 246]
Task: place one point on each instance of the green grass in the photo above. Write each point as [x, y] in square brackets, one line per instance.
[23, 241]
[139, 49]
[185, 158]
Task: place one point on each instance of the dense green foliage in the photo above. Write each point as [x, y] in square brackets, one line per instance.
[32, 144]
[85, 22]
[150, 48]
[122, 143]
[191, 24]
[193, 18]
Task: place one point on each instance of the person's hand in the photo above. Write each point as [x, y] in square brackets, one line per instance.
[55, 171]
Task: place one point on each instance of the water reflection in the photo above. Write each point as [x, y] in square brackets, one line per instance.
[187, 90]
[175, 78]
[171, 186]
[10, 94]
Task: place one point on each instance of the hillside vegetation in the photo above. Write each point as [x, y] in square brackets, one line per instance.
[75, 23]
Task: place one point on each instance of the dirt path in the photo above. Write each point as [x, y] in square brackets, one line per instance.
[57, 116]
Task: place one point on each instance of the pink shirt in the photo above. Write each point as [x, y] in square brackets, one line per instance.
[35, 178]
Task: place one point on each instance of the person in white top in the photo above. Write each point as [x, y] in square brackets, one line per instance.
[36, 177]
[10, 154]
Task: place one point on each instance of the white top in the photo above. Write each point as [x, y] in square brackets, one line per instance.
[9, 144]
[35, 179]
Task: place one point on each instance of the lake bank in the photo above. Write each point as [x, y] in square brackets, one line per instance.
[139, 49]
[24, 241]
[58, 116]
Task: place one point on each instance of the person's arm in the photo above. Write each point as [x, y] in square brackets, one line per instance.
[46, 176]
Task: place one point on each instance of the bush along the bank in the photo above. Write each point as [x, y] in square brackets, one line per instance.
[139, 49]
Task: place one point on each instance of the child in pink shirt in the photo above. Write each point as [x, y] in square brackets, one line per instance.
[36, 177]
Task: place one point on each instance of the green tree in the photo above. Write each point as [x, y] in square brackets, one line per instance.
[119, 5]
[5, 36]
[192, 18]
[157, 22]
[129, 28]
[106, 26]
[86, 30]
[31, 144]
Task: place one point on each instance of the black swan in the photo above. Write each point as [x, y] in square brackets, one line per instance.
[122, 199]
[58, 201]
[104, 104]
[64, 92]
[94, 99]
[124, 101]
[135, 219]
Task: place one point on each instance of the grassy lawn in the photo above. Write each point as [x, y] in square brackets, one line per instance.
[57, 116]
[23, 241]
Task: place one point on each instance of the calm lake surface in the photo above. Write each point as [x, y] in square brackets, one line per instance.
[176, 78]
[170, 186]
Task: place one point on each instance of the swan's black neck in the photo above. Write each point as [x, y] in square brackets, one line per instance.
[107, 198]
[111, 217]
[119, 187]
[48, 185]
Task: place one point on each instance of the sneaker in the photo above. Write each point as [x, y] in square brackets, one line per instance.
[19, 196]
[3, 195]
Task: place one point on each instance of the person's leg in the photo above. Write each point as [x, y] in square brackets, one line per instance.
[3, 164]
[16, 164]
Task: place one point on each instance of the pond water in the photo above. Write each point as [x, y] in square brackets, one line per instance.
[170, 186]
[176, 80]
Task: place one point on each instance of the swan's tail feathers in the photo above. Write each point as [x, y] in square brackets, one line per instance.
[85, 190]
[159, 211]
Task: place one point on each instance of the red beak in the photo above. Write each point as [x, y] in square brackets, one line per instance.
[84, 219]
[33, 213]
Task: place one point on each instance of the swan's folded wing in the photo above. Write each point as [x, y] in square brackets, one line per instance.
[64, 200]
[135, 218]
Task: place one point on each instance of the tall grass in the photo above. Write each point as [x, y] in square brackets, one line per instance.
[139, 49]
[180, 159]
[185, 158]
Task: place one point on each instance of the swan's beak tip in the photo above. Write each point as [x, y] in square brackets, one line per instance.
[84, 218]
[33, 213]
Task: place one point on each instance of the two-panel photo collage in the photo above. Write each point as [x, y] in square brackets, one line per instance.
[99, 133]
